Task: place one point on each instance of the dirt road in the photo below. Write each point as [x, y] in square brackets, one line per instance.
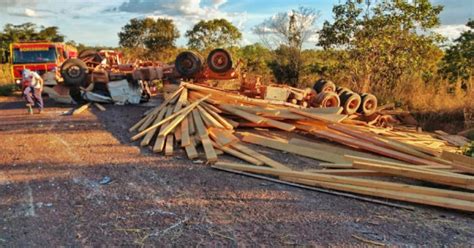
[51, 167]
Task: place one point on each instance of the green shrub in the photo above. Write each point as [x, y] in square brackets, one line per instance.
[7, 89]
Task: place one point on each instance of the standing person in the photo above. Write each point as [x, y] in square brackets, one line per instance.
[33, 86]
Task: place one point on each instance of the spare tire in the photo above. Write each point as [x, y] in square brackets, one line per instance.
[323, 85]
[350, 102]
[368, 104]
[188, 64]
[219, 60]
[74, 72]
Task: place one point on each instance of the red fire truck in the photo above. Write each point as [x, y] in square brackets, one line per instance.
[43, 57]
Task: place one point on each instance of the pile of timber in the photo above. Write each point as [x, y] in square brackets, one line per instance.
[366, 160]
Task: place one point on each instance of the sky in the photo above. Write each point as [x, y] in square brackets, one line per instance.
[97, 22]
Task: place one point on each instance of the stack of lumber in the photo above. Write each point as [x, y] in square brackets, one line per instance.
[349, 157]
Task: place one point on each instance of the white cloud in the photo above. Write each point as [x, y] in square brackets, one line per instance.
[451, 31]
[30, 12]
[217, 3]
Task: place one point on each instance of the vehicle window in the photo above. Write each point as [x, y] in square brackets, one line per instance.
[26, 56]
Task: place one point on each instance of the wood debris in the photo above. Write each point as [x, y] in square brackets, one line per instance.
[366, 160]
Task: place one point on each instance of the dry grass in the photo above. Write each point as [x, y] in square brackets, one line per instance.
[5, 74]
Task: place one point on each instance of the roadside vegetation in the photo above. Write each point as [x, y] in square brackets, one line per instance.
[383, 47]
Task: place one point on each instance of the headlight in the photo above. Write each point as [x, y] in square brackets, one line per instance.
[18, 81]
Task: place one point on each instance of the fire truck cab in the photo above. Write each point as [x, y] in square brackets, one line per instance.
[43, 57]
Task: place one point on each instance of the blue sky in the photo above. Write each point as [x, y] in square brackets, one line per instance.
[97, 22]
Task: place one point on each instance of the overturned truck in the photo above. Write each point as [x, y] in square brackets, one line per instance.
[101, 76]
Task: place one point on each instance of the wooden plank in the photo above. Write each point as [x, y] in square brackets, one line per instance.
[280, 125]
[191, 151]
[441, 168]
[149, 136]
[99, 106]
[81, 109]
[348, 172]
[180, 114]
[245, 115]
[299, 150]
[392, 194]
[192, 129]
[156, 110]
[177, 131]
[332, 118]
[185, 138]
[211, 107]
[257, 119]
[336, 149]
[211, 155]
[424, 175]
[266, 160]
[222, 136]
[326, 110]
[160, 140]
[370, 147]
[208, 118]
[219, 118]
[182, 100]
[401, 189]
[238, 154]
[200, 128]
[379, 141]
[169, 145]
[371, 200]
[231, 122]
[458, 158]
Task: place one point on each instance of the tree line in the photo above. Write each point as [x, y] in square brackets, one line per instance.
[384, 47]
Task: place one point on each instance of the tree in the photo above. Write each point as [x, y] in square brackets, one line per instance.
[384, 49]
[159, 34]
[286, 33]
[217, 33]
[27, 32]
[256, 58]
[458, 62]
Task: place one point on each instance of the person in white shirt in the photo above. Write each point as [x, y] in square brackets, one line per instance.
[33, 86]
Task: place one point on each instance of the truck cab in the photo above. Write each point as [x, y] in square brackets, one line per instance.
[43, 57]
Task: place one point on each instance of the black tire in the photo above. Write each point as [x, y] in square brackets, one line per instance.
[90, 53]
[350, 102]
[74, 72]
[188, 64]
[219, 60]
[341, 90]
[323, 85]
[328, 99]
[368, 104]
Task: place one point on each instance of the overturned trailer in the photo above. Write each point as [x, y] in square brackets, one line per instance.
[102, 77]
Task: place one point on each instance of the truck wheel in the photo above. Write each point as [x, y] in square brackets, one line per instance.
[341, 90]
[324, 86]
[350, 102]
[328, 99]
[368, 104]
[219, 60]
[188, 64]
[74, 72]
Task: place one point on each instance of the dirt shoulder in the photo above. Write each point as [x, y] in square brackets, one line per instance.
[50, 195]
